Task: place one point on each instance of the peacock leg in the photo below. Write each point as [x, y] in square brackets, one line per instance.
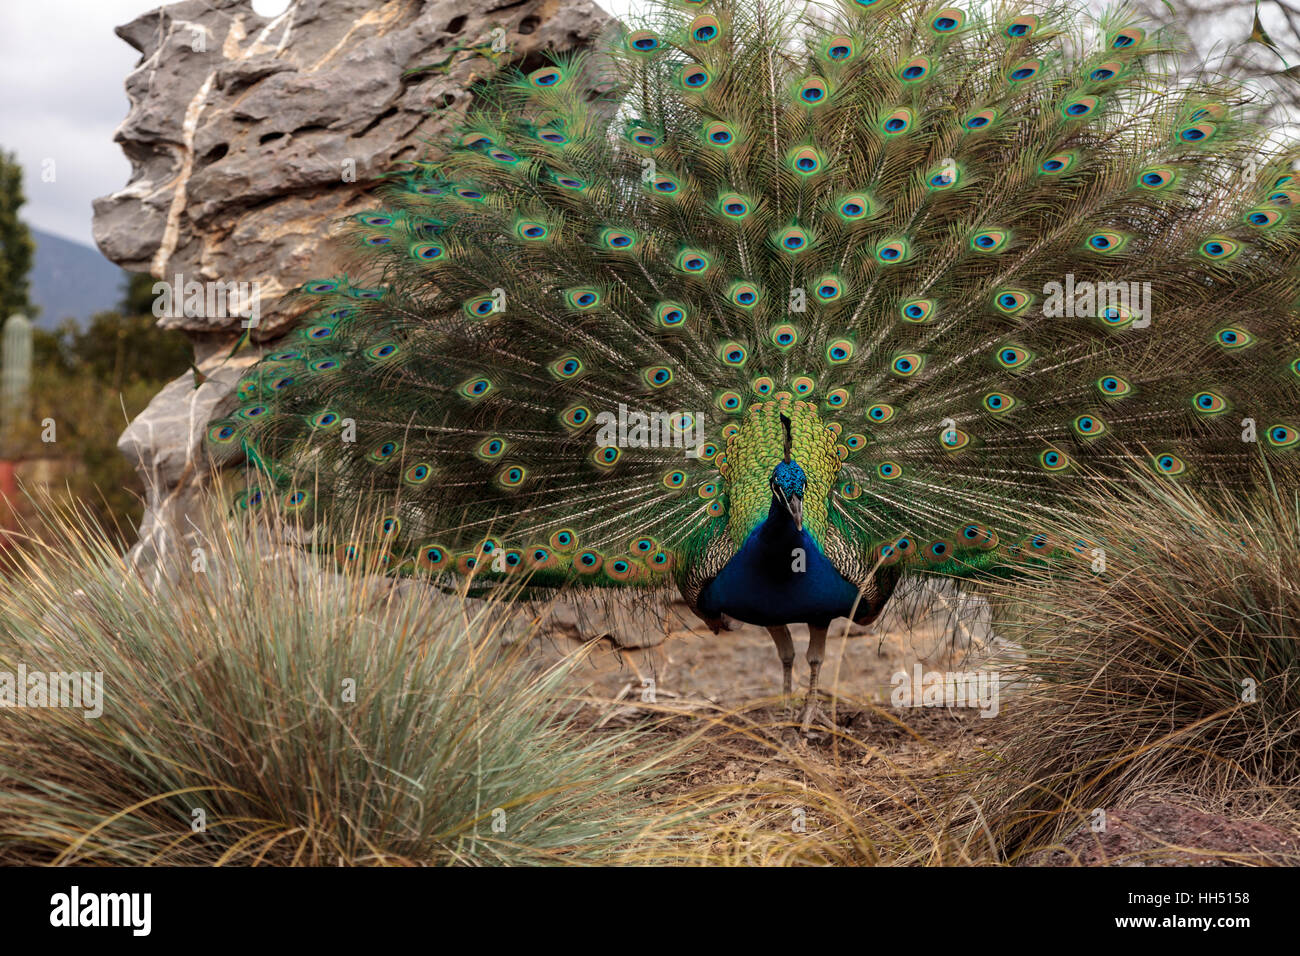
[784, 641]
[812, 712]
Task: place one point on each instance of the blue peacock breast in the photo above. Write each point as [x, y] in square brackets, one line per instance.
[779, 576]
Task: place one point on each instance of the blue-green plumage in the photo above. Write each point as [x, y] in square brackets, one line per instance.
[779, 575]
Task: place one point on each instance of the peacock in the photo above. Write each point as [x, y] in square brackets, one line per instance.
[780, 305]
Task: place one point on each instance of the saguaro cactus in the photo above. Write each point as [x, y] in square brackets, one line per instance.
[16, 372]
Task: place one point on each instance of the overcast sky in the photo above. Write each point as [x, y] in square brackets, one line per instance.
[62, 98]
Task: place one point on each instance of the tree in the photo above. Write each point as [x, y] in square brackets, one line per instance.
[1259, 40]
[16, 246]
[90, 382]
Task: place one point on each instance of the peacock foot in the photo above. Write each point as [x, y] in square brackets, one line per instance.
[813, 716]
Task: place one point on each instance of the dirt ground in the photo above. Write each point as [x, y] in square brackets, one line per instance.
[883, 760]
[739, 666]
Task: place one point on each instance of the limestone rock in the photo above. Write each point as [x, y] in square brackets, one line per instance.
[165, 444]
[249, 137]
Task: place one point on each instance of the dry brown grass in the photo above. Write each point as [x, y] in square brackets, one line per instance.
[311, 717]
[1131, 699]
[221, 690]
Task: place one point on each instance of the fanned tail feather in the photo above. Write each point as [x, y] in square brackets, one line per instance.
[878, 210]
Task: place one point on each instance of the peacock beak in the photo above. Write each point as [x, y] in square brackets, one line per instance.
[795, 505]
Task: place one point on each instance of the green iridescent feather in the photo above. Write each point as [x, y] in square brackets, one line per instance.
[869, 213]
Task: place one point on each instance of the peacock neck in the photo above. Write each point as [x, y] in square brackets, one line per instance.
[754, 450]
[780, 575]
[777, 535]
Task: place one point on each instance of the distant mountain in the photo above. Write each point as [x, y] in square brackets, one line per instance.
[69, 279]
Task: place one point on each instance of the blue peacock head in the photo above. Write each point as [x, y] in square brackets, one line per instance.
[789, 481]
